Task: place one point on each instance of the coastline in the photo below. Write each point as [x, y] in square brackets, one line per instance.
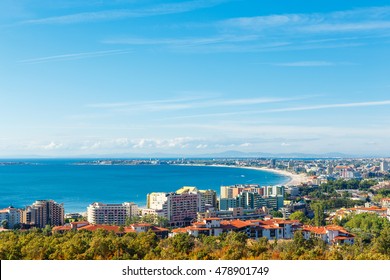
[294, 179]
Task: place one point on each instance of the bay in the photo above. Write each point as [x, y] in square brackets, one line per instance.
[77, 186]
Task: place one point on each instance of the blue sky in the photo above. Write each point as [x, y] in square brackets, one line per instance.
[194, 77]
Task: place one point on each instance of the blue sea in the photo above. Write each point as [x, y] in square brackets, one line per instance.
[77, 186]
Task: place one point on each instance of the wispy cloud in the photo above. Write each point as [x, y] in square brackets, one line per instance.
[285, 109]
[73, 56]
[190, 103]
[304, 64]
[106, 15]
[278, 32]
[182, 42]
[373, 18]
[329, 106]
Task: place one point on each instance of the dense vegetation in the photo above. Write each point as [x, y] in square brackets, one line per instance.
[372, 242]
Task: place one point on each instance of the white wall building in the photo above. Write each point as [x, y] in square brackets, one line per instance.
[11, 215]
[111, 214]
[156, 200]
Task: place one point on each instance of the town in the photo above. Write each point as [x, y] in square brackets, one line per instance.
[329, 191]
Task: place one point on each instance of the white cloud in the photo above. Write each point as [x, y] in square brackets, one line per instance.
[328, 106]
[53, 146]
[363, 19]
[178, 142]
[304, 64]
[246, 145]
[202, 146]
[73, 56]
[107, 15]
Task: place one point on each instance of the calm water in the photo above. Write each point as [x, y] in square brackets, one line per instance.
[79, 185]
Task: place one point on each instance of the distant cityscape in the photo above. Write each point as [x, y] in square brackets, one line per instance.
[259, 211]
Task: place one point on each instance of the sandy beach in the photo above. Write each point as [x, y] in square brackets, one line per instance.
[294, 179]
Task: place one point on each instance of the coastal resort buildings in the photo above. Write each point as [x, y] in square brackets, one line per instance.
[42, 213]
[10, 217]
[269, 228]
[251, 197]
[111, 214]
[180, 207]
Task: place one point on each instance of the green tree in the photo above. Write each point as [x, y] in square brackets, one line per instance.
[276, 214]
[319, 213]
[4, 224]
[382, 243]
[298, 215]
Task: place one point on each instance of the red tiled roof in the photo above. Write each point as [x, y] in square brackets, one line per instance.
[141, 225]
[236, 223]
[80, 222]
[58, 228]
[343, 237]
[96, 227]
[179, 230]
[197, 229]
[316, 230]
[129, 229]
[154, 228]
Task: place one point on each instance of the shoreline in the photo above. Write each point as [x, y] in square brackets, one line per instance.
[293, 178]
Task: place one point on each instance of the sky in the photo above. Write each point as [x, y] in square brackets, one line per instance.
[129, 77]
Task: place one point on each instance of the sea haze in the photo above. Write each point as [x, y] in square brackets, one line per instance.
[77, 186]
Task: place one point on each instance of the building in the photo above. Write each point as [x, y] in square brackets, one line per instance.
[251, 197]
[156, 200]
[293, 191]
[111, 214]
[384, 166]
[181, 209]
[11, 215]
[226, 203]
[208, 199]
[233, 191]
[331, 234]
[118, 230]
[271, 229]
[42, 213]
[273, 190]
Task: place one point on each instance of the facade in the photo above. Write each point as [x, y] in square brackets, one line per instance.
[181, 209]
[208, 199]
[271, 229]
[330, 234]
[42, 213]
[156, 200]
[268, 228]
[226, 203]
[11, 215]
[233, 191]
[111, 214]
[384, 166]
[251, 197]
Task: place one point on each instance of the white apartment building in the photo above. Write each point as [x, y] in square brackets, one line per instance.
[11, 215]
[111, 214]
[156, 200]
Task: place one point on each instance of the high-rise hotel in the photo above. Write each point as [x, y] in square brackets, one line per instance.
[111, 214]
[42, 213]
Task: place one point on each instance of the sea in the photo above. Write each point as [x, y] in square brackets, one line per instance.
[77, 186]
